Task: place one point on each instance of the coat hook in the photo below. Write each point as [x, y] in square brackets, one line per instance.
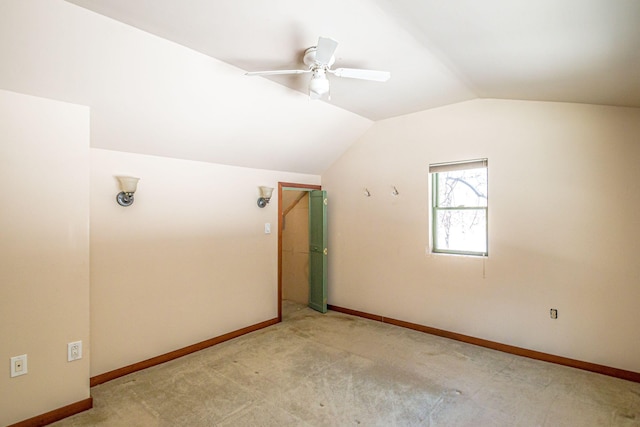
[366, 193]
[395, 191]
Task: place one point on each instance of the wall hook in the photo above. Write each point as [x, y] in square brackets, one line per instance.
[366, 193]
[395, 191]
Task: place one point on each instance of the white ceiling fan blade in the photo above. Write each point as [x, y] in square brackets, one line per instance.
[325, 49]
[275, 72]
[357, 73]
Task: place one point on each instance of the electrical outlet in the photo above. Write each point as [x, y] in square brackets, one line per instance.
[18, 365]
[553, 313]
[74, 351]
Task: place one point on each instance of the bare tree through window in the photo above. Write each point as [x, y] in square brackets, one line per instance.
[460, 211]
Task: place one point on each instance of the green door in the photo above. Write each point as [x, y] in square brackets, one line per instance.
[318, 250]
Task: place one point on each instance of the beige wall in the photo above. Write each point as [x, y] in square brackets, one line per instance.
[295, 247]
[44, 272]
[188, 261]
[564, 229]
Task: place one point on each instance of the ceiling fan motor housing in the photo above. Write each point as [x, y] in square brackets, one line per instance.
[309, 58]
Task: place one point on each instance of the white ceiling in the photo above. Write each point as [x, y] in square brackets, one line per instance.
[166, 77]
[148, 95]
[438, 52]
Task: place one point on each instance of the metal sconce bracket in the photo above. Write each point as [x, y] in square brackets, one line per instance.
[124, 199]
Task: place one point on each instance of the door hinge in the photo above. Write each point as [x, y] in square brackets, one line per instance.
[325, 201]
[325, 251]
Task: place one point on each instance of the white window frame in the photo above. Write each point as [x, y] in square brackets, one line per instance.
[436, 168]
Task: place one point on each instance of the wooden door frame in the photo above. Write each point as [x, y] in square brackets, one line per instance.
[288, 185]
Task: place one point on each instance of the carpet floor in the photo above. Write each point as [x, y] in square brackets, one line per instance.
[339, 370]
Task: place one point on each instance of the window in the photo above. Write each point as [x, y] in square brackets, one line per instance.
[459, 207]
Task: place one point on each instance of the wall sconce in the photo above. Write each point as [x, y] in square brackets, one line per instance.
[128, 186]
[265, 196]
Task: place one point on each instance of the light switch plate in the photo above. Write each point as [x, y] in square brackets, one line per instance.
[267, 228]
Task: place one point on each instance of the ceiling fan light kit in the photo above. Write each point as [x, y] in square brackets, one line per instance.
[319, 59]
[319, 84]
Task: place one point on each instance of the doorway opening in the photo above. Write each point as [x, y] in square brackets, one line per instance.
[293, 243]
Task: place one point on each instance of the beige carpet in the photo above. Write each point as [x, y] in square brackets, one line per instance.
[339, 370]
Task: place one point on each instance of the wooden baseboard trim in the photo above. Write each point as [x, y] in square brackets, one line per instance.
[117, 373]
[56, 414]
[519, 351]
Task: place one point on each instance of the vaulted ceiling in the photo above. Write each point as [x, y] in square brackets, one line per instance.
[438, 52]
[166, 77]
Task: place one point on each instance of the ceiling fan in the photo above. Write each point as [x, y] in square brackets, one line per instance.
[319, 59]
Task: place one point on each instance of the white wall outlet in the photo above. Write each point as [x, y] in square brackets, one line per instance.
[18, 365]
[74, 351]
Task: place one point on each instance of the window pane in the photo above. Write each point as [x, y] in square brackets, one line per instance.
[461, 230]
[460, 188]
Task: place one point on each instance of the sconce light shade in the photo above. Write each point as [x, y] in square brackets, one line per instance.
[265, 196]
[128, 185]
